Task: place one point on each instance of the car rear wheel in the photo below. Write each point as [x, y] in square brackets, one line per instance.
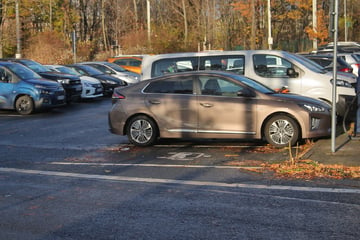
[281, 130]
[142, 131]
[24, 105]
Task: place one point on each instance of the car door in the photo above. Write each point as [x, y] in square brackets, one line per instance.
[173, 105]
[6, 89]
[222, 113]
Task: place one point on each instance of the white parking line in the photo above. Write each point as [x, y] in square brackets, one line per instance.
[180, 182]
[154, 165]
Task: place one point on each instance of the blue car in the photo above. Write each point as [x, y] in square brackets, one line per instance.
[25, 91]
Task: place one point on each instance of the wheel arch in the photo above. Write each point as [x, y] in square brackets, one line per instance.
[141, 114]
[284, 114]
[21, 95]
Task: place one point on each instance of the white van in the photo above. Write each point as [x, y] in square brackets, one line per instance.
[276, 69]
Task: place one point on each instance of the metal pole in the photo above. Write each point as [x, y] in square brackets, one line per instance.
[148, 21]
[270, 39]
[73, 37]
[314, 17]
[333, 117]
[18, 37]
[345, 20]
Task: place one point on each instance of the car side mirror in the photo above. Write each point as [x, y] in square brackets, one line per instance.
[4, 77]
[245, 92]
[292, 73]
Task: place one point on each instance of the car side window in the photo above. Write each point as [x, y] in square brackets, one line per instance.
[5, 76]
[270, 65]
[171, 86]
[216, 86]
[229, 63]
[173, 65]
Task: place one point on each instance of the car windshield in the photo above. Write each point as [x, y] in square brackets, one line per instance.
[115, 67]
[357, 56]
[308, 63]
[36, 67]
[89, 70]
[67, 70]
[23, 72]
[254, 84]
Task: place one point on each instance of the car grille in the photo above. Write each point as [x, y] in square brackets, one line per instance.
[75, 82]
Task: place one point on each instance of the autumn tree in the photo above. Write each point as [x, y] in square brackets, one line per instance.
[107, 27]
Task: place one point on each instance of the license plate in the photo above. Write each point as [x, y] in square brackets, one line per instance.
[61, 97]
[78, 88]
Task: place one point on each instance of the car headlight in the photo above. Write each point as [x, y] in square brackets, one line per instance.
[111, 82]
[341, 83]
[133, 77]
[64, 81]
[312, 107]
[42, 89]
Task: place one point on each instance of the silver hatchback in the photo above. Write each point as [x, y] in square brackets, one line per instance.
[214, 105]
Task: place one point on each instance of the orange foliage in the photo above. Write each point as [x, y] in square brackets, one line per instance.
[48, 48]
[321, 32]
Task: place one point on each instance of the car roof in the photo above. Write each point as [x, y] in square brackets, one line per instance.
[199, 73]
[6, 63]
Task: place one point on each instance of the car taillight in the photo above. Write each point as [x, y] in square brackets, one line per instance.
[117, 95]
[356, 65]
[347, 70]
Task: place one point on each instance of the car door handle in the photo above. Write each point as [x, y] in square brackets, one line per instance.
[207, 105]
[154, 101]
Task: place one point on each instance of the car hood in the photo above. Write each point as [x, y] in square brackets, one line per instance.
[43, 82]
[58, 75]
[290, 97]
[89, 79]
[349, 77]
[105, 77]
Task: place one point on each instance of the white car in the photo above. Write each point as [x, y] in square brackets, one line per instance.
[115, 70]
[91, 87]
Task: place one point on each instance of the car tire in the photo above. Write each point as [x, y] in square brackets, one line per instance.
[142, 131]
[280, 130]
[24, 105]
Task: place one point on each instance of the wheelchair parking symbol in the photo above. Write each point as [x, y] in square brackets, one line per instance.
[185, 156]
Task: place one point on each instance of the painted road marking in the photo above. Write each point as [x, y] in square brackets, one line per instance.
[180, 182]
[153, 165]
[185, 156]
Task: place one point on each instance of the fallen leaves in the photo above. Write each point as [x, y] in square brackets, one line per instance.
[309, 169]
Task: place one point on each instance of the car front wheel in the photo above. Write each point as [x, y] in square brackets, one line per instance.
[281, 130]
[142, 131]
[24, 105]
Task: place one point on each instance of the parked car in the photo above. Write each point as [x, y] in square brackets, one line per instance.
[130, 63]
[353, 59]
[25, 91]
[276, 69]
[116, 71]
[344, 47]
[91, 87]
[326, 61]
[205, 104]
[71, 84]
[108, 82]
